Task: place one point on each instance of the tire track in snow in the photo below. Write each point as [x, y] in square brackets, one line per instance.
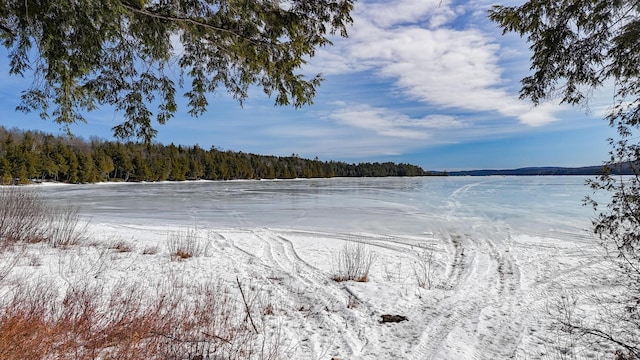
[450, 313]
[237, 255]
[482, 311]
[457, 268]
[293, 254]
[319, 301]
[500, 338]
[396, 244]
[272, 271]
[379, 334]
[478, 319]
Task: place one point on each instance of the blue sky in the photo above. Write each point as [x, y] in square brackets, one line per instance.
[429, 82]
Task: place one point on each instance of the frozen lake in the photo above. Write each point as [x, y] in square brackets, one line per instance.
[541, 205]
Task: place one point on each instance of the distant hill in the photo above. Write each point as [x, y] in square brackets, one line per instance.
[623, 169]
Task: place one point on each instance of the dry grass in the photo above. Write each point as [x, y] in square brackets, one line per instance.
[25, 218]
[88, 321]
[65, 229]
[182, 254]
[423, 268]
[121, 246]
[186, 244]
[353, 262]
[150, 250]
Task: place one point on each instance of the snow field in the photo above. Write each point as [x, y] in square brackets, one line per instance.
[472, 294]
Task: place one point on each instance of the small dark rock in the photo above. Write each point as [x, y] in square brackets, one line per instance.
[393, 318]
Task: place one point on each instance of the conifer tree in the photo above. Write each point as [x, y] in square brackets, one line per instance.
[88, 53]
[578, 47]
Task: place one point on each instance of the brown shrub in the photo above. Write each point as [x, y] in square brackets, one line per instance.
[126, 323]
[26, 218]
[23, 217]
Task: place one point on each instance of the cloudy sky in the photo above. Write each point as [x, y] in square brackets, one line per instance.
[429, 82]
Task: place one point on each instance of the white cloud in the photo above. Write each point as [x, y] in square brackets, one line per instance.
[389, 123]
[386, 14]
[340, 141]
[539, 115]
[439, 66]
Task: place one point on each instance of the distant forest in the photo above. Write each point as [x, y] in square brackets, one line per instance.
[620, 169]
[32, 155]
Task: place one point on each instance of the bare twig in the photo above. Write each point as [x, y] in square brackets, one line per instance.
[246, 305]
[603, 335]
[216, 337]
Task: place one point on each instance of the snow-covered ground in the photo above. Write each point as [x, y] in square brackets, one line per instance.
[475, 264]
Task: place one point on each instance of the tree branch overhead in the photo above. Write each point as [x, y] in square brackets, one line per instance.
[224, 45]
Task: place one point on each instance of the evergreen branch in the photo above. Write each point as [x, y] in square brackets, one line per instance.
[191, 21]
[7, 30]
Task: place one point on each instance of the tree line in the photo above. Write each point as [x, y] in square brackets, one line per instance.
[26, 156]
